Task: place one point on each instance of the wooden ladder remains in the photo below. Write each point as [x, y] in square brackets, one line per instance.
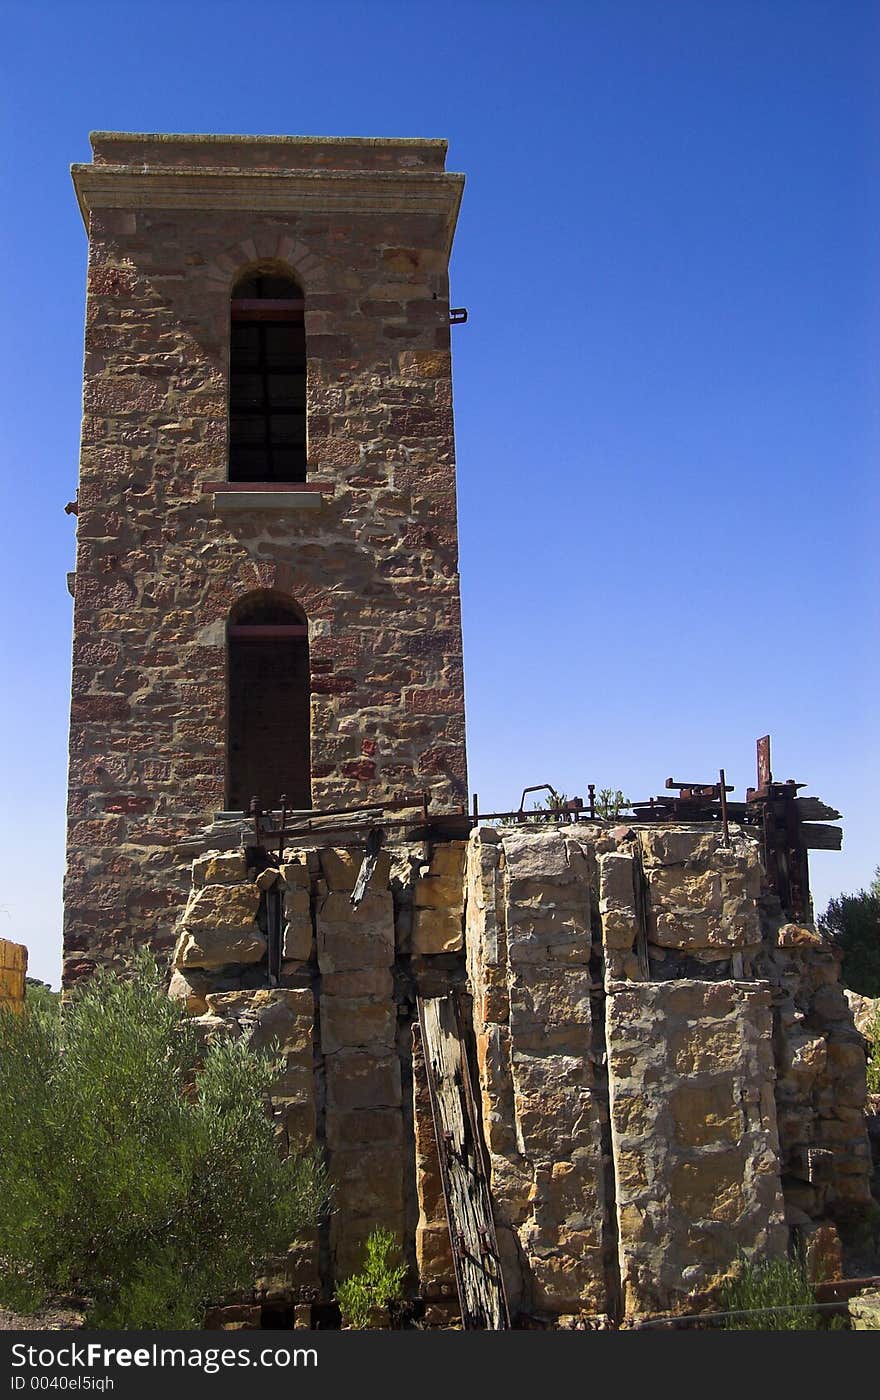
[466, 1194]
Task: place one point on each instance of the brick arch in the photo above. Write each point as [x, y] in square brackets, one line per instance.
[269, 687]
[269, 246]
[267, 575]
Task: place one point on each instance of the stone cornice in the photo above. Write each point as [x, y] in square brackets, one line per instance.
[302, 191]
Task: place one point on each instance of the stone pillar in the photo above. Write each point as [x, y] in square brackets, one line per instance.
[529, 950]
[358, 1019]
[13, 969]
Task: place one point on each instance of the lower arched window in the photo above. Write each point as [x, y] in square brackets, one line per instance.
[269, 699]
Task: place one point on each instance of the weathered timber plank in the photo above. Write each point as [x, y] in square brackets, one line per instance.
[465, 1187]
[813, 809]
[819, 837]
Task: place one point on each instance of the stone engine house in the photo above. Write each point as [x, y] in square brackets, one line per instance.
[266, 587]
[579, 1067]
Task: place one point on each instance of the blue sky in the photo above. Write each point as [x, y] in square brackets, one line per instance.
[666, 394]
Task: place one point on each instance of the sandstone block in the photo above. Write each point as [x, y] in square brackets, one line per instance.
[295, 874]
[437, 931]
[222, 908]
[448, 861]
[211, 947]
[705, 1115]
[672, 846]
[362, 1079]
[341, 867]
[348, 1022]
[215, 868]
[364, 1127]
[434, 1261]
[361, 982]
[191, 989]
[298, 933]
[439, 892]
[267, 879]
[710, 1187]
[536, 856]
[351, 939]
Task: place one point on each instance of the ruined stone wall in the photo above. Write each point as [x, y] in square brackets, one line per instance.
[342, 1013]
[365, 228]
[636, 1009]
[666, 1078]
[13, 970]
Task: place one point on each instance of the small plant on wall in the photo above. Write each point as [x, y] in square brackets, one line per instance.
[365, 1299]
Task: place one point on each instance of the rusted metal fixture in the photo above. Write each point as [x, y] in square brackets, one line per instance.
[540, 787]
[723, 791]
[785, 847]
[696, 802]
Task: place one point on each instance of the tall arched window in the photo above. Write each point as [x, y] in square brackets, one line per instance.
[267, 380]
[268, 703]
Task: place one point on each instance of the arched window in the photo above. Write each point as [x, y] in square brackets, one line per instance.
[267, 380]
[268, 703]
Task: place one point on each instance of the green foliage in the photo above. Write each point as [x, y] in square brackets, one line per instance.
[766, 1291]
[40, 995]
[138, 1170]
[853, 920]
[610, 802]
[365, 1296]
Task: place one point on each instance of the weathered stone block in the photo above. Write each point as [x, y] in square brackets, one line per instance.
[220, 869]
[448, 861]
[215, 947]
[298, 933]
[350, 939]
[439, 892]
[349, 1022]
[191, 989]
[437, 931]
[362, 1079]
[364, 1127]
[341, 867]
[295, 873]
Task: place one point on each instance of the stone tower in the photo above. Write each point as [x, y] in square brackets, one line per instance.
[266, 587]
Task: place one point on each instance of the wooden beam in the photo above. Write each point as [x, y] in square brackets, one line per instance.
[819, 837]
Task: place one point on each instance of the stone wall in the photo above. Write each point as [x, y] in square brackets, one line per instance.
[641, 1012]
[666, 1071]
[365, 227]
[13, 970]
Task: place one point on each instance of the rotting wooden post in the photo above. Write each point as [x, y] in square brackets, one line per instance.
[466, 1195]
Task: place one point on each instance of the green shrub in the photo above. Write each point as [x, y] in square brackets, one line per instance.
[765, 1292]
[853, 921]
[364, 1297]
[610, 802]
[139, 1171]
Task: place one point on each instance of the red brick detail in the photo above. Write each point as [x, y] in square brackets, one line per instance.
[332, 685]
[86, 708]
[434, 702]
[362, 769]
